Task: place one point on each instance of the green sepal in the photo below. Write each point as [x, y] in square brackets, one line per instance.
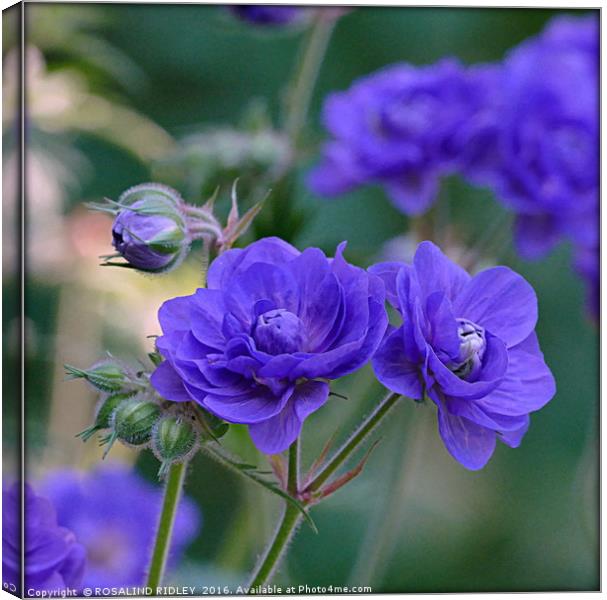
[155, 358]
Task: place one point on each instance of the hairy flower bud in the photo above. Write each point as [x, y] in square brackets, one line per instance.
[132, 423]
[173, 440]
[103, 417]
[154, 228]
[108, 376]
[150, 230]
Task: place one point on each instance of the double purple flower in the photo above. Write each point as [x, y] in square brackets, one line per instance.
[403, 128]
[261, 343]
[469, 344]
[54, 560]
[540, 150]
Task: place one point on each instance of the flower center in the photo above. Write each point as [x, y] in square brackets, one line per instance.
[472, 346]
[279, 331]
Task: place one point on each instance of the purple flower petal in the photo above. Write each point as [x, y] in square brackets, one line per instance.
[470, 444]
[168, 383]
[269, 250]
[206, 317]
[527, 386]
[515, 437]
[261, 281]
[443, 334]
[308, 397]
[475, 412]
[260, 404]
[436, 273]
[174, 315]
[387, 272]
[394, 370]
[278, 433]
[502, 302]
[414, 193]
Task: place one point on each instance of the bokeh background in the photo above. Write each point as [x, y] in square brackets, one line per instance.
[111, 89]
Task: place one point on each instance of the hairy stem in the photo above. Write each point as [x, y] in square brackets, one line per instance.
[286, 529]
[354, 441]
[172, 493]
[277, 548]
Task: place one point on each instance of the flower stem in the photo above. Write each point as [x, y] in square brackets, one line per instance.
[172, 493]
[287, 527]
[302, 88]
[293, 482]
[352, 443]
[292, 516]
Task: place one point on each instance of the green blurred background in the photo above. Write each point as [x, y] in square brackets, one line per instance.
[110, 87]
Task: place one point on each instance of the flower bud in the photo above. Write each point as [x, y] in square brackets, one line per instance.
[103, 417]
[173, 440]
[107, 376]
[132, 423]
[150, 230]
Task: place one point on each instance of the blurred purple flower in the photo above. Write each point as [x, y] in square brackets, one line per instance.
[114, 511]
[587, 264]
[402, 127]
[469, 344]
[259, 345]
[539, 151]
[268, 15]
[54, 560]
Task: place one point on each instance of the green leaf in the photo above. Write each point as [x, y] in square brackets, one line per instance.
[250, 472]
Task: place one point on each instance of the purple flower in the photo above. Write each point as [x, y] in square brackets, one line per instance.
[540, 153]
[469, 344]
[113, 512]
[54, 560]
[267, 15]
[259, 345]
[402, 127]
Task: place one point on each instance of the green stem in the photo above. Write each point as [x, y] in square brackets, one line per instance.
[172, 493]
[364, 429]
[287, 527]
[292, 515]
[270, 561]
[302, 88]
[293, 482]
